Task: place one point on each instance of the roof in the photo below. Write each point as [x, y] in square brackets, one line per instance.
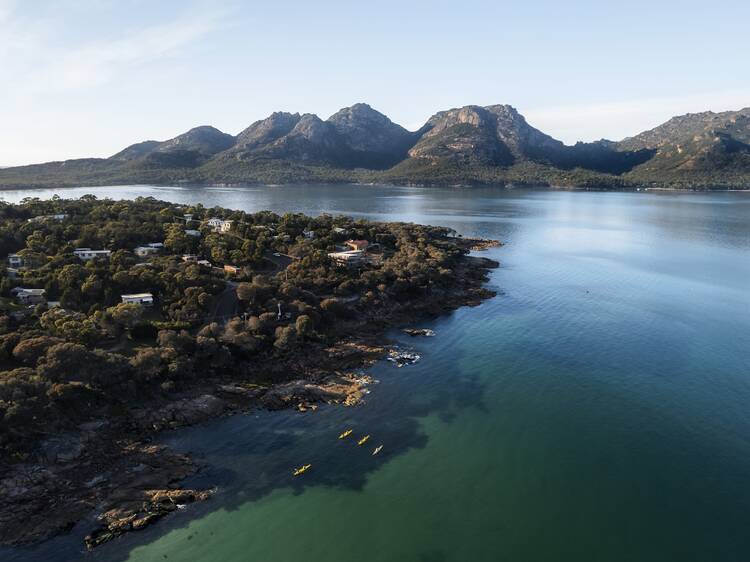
[346, 254]
[20, 290]
[138, 296]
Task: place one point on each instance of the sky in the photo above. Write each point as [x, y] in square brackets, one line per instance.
[85, 78]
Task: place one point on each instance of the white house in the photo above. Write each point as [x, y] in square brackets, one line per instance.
[189, 257]
[220, 225]
[191, 232]
[41, 218]
[86, 254]
[350, 257]
[309, 234]
[15, 261]
[29, 296]
[144, 299]
[143, 251]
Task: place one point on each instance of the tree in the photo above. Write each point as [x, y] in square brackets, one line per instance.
[29, 351]
[246, 292]
[126, 315]
[303, 325]
[285, 337]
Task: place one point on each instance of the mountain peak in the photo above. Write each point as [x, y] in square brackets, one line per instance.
[267, 130]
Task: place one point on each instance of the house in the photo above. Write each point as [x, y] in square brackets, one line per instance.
[191, 232]
[12, 272]
[143, 251]
[29, 296]
[309, 234]
[16, 261]
[157, 245]
[48, 218]
[350, 257]
[205, 263]
[144, 299]
[220, 225]
[189, 257]
[87, 254]
[188, 217]
[231, 269]
[339, 230]
[357, 244]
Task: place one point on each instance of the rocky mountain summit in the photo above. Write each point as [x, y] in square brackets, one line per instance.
[465, 146]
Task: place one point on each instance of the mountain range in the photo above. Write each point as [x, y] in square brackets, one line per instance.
[471, 145]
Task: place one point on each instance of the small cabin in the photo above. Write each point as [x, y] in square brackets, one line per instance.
[143, 299]
[144, 251]
[87, 254]
[348, 258]
[29, 296]
[42, 218]
[220, 225]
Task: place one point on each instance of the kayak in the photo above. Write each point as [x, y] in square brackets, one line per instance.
[377, 450]
[346, 434]
[301, 469]
[363, 440]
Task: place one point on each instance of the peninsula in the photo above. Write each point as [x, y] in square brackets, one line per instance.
[119, 319]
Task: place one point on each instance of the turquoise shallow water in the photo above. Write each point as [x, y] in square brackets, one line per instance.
[597, 409]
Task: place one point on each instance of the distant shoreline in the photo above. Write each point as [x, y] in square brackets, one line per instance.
[535, 187]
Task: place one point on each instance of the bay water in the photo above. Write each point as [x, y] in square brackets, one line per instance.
[598, 408]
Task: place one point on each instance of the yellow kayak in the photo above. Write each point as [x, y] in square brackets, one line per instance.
[363, 440]
[346, 434]
[301, 469]
[377, 450]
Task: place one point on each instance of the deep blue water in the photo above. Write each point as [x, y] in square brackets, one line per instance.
[597, 409]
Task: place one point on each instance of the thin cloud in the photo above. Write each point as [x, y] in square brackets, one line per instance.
[34, 64]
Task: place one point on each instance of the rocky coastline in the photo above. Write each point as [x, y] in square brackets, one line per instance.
[117, 469]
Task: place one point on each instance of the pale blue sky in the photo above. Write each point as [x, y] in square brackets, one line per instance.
[86, 78]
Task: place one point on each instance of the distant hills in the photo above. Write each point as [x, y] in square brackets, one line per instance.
[471, 145]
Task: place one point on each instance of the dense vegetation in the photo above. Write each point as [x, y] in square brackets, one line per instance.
[94, 355]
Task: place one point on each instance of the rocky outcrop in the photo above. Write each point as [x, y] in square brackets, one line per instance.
[140, 511]
[339, 389]
[180, 413]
